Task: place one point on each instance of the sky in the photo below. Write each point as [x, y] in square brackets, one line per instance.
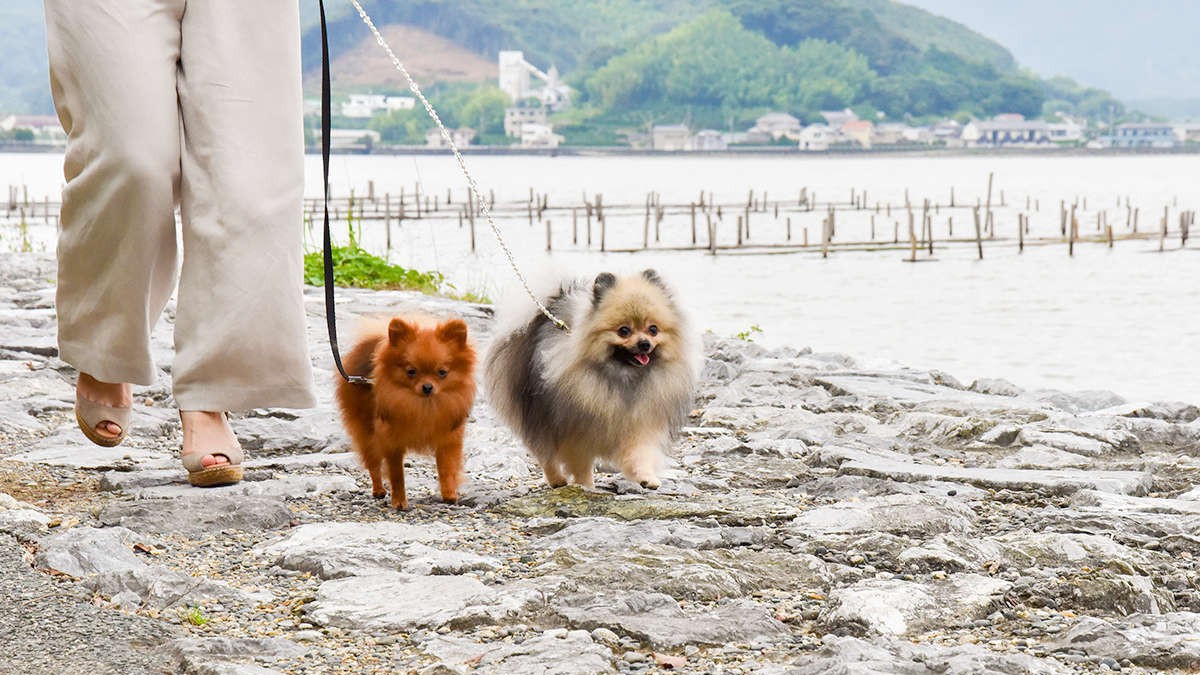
[1134, 49]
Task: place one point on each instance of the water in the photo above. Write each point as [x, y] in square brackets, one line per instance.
[1121, 319]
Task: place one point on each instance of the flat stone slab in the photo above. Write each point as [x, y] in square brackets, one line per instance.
[898, 514]
[657, 619]
[198, 514]
[334, 550]
[285, 486]
[898, 607]
[393, 601]
[560, 652]
[1054, 481]
[83, 551]
[882, 656]
[605, 533]
[1169, 641]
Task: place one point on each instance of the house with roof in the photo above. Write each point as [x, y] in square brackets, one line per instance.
[778, 125]
[859, 131]
[516, 117]
[463, 136]
[368, 105]
[818, 138]
[670, 137]
[836, 119]
[539, 136]
[1142, 135]
[1066, 132]
[707, 140]
[1008, 130]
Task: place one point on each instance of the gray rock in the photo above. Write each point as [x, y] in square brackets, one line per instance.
[199, 514]
[229, 656]
[996, 387]
[897, 607]
[605, 533]
[287, 486]
[897, 657]
[159, 587]
[657, 619]
[392, 601]
[333, 550]
[1079, 401]
[82, 551]
[572, 653]
[686, 574]
[899, 467]
[68, 447]
[898, 514]
[1166, 641]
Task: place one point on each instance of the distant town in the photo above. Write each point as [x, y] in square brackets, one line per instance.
[535, 96]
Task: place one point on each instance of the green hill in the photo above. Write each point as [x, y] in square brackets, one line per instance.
[711, 62]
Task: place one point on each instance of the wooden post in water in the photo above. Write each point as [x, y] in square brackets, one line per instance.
[1021, 232]
[712, 232]
[692, 210]
[471, 225]
[1162, 239]
[547, 234]
[1135, 219]
[574, 225]
[739, 231]
[872, 227]
[1108, 232]
[603, 234]
[1074, 232]
[978, 233]
[789, 228]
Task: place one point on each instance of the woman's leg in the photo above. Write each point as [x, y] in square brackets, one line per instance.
[240, 322]
[112, 73]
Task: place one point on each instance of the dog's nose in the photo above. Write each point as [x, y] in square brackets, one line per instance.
[643, 346]
[427, 388]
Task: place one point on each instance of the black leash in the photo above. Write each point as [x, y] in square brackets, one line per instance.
[326, 125]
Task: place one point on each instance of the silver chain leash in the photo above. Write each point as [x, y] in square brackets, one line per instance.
[483, 206]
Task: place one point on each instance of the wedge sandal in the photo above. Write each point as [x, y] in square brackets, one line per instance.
[213, 476]
[90, 415]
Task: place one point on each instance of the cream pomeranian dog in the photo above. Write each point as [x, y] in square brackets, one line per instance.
[617, 387]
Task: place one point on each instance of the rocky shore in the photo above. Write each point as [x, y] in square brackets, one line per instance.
[816, 518]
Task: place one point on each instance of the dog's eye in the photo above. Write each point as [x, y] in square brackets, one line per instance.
[442, 372]
[624, 331]
[652, 330]
[412, 372]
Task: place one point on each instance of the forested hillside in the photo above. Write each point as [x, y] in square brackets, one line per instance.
[716, 62]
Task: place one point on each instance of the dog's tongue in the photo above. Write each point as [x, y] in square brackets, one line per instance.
[642, 359]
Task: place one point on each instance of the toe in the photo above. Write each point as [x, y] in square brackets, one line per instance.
[210, 461]
[108, 429]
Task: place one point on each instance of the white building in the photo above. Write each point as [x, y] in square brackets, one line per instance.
[517, 117]
[707, 140]
[516, 80]
[463, 136]
[368, 105]
[539, 136]
[1008, 130]
[778, 125]
[818, 137]
[1067, 132]
[671, 137]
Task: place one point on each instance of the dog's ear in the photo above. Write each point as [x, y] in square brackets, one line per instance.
[400, 331]
[603, 284]
[453, 332]
[652, 276]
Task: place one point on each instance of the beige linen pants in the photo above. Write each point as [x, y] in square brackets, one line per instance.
[195, 104]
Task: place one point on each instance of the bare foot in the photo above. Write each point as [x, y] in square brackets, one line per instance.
[104, 393]
[207, 431]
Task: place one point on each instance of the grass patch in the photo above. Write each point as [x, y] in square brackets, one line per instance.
[357, 268]
[749, 333]
[195, 616]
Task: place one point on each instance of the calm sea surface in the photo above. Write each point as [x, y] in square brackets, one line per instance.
[1124, 319]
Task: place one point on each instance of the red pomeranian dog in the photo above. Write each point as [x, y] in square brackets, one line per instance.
[422, 391]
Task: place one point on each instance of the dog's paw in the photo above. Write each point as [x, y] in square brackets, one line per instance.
[400, 504]
[651, 483]
[379, 495]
